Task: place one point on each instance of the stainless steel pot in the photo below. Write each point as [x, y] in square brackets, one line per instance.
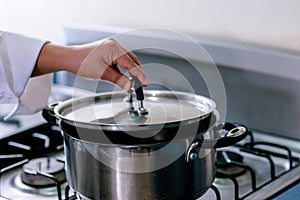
[154, 158]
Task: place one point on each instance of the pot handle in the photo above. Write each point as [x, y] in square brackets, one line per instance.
[49, 115]
[231, 134]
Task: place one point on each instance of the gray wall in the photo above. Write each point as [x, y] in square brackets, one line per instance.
[264, 102]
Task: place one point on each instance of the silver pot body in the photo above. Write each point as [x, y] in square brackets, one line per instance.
[157, 159]
[165, 171]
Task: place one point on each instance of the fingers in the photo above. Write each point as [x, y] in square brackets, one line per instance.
[128, 60]
[113, 74]
[124, 50]
[133, 67]
[104, 58]
[132, 56]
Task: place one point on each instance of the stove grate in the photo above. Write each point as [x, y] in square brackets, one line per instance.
[264, 152]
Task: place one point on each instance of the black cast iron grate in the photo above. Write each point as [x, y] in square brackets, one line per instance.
[227, 159]
[32, 143]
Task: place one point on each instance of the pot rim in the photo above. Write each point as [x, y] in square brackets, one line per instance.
[210, 129]
[66, 106]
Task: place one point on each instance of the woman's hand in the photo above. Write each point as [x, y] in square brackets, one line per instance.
[97, 60]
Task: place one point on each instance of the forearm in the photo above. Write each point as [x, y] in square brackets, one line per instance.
[97, 60]
[53, 58]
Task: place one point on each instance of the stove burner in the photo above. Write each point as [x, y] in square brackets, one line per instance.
[33, 172]
[223, 157]
[226, 164]
[230, 168]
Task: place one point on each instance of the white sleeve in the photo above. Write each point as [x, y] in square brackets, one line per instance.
[18, 56]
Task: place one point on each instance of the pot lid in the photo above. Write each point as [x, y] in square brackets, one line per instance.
[111, 110]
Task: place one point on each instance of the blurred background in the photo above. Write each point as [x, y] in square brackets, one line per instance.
[254, 43]
[265, 22]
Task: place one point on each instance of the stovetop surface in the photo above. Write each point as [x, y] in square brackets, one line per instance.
[11, 186]
[34, 143]
[267, 184]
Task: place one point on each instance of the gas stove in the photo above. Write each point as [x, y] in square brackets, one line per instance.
[260, 166]
[32, 162]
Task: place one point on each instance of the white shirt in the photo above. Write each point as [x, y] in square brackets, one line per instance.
[18, 55]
